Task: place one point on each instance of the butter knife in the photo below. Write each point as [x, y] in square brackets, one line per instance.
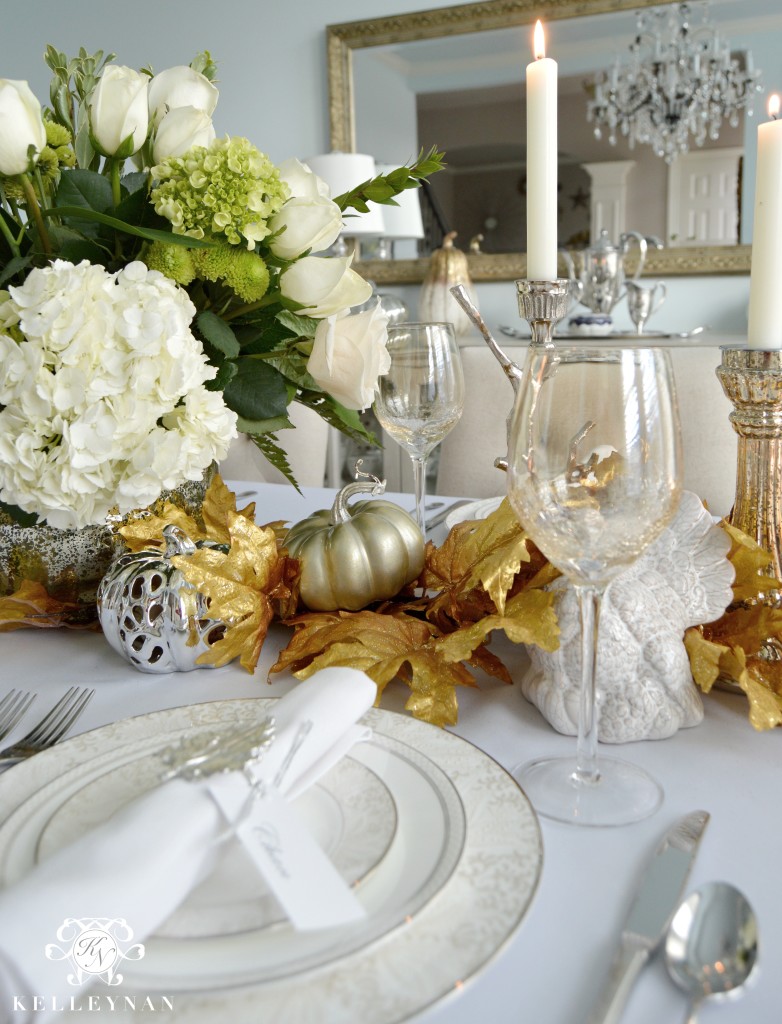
[659, 893]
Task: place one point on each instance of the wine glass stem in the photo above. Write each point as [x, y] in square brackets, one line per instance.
[589, 602]
[419, 483]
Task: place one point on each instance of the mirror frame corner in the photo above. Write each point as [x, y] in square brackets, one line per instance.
[343, 38]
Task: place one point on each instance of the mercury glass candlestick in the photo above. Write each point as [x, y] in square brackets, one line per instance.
[752, 380]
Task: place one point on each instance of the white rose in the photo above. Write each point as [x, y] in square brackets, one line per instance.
[118, 111]
[180, 130]
[21, 126]
[303, 182]
[349, 355]
[305, 223]
[324, 285]
[180, 87]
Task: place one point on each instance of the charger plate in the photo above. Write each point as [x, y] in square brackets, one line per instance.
[443, 847]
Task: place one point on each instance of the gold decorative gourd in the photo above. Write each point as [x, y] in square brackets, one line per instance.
[350, 557]
[448, 267]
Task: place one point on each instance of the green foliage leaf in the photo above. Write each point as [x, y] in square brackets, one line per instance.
[132, 208]
[77, 249]
[267, 443]
[345, 420]
[13, 267]
[150, 234]
[258, 391]
[136, 181]
[64, 237]
[294, 366]
[299, 326]
[218, 333]
[226, 371]
[270, 426]
[384, 187]
[85, 189]
[261, 337]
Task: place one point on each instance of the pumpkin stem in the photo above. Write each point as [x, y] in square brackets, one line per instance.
[177, 541]
[340, 513]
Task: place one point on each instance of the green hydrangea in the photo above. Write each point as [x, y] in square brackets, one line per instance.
[245, 273]
[229, 189]
[173, 261]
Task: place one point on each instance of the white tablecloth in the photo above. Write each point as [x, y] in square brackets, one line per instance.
[552, 969]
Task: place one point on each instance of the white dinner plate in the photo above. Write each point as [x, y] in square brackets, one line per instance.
[480, 509]
[445, 882]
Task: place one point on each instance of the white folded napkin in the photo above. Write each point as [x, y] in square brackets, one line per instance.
[141, 864]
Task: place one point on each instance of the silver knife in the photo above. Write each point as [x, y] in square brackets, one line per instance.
[442, 515]
[658, 896]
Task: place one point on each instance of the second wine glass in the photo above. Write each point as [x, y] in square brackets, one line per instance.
[594, 468]
[421, 397]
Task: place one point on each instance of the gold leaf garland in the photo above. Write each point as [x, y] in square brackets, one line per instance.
[487, 575]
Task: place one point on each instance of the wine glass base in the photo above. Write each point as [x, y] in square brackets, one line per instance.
[621, 794]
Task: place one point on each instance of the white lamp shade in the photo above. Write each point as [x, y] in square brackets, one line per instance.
[404, 220]
[342, 172]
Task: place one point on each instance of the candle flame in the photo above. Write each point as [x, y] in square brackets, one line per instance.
[539, 45]
[773, 106]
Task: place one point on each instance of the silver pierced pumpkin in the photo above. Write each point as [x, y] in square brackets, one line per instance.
[350, 557]
[149, 612]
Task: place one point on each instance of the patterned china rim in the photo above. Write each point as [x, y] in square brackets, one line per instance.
[456, 931]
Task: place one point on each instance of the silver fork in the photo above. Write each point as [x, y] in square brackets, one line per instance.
[52, 727]
[12, 707]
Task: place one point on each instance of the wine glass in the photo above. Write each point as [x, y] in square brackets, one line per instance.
[421, 397]
[594, 477]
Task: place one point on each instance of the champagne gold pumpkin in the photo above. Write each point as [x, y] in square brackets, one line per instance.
[351, 557]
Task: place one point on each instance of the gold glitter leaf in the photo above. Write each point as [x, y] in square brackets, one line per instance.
[704, 658]
[749, 560]
[529, 619]
[145, 532]
[240, 587]
[488, 553]
[384, 646]
[219, 501]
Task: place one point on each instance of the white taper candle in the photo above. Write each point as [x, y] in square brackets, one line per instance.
[765, 309]
[541, 163]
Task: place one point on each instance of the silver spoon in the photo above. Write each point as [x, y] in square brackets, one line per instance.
[712, 943]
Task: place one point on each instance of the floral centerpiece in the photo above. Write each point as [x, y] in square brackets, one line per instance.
[148, 314]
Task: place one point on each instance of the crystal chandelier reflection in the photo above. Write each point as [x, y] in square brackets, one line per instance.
[680, 83]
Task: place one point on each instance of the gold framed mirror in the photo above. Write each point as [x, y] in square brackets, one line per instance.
[345, 38]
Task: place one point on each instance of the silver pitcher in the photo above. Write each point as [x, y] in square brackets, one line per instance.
[598, 270]
[642, 302]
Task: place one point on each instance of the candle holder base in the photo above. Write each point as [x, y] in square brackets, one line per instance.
[543, 304]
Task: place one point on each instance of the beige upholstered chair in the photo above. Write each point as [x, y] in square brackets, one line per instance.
[305, 446]
[467, 454]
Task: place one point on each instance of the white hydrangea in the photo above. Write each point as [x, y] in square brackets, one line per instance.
[103, 403]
